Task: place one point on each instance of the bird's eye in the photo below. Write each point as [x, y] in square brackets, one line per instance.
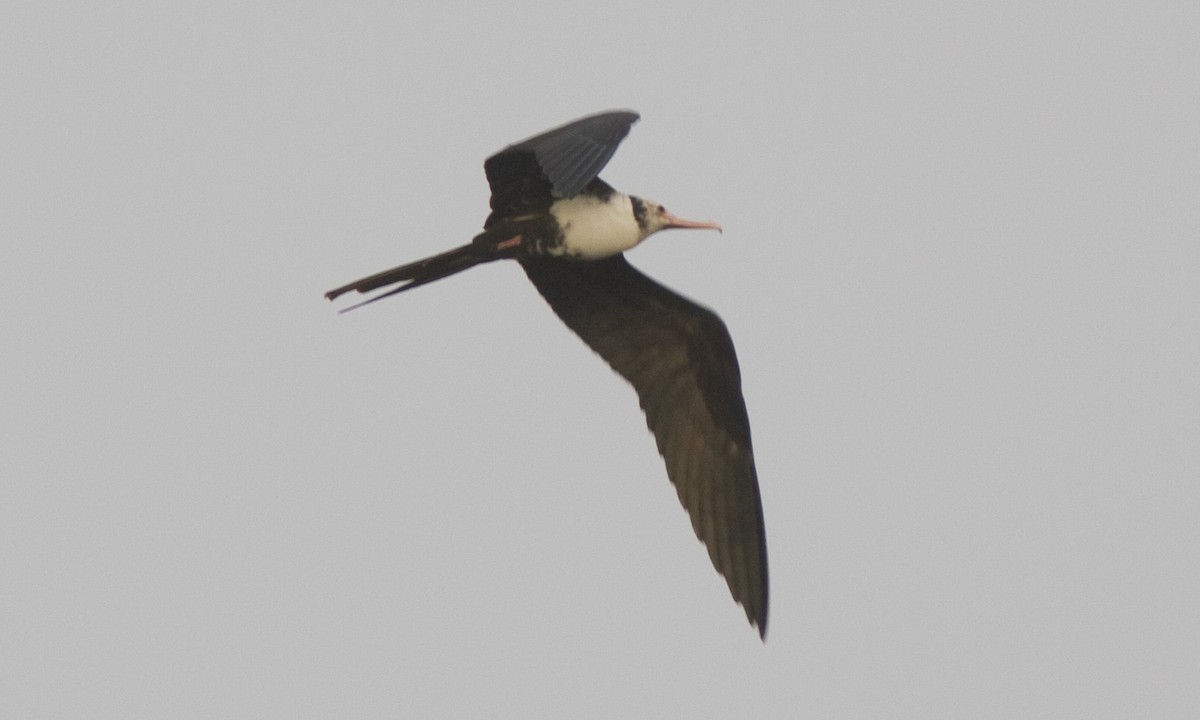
[661, 210]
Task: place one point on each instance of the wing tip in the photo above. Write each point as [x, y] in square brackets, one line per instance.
[758, 621]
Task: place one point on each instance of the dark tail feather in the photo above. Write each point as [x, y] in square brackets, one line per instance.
[418, 273]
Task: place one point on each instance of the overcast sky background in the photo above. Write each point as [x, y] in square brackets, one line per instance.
[960, 264]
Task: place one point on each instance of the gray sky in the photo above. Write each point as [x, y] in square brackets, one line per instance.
[960, 265]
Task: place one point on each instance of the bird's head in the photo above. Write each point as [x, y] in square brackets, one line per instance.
[652, 217]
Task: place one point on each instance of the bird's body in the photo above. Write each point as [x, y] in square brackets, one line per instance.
[568, 229]
[596, 226]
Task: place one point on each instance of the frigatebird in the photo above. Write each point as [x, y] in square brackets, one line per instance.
[569, 229]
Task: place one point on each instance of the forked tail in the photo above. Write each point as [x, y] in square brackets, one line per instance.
[420, 272]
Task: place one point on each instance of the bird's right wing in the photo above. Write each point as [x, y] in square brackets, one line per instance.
[556, 163]
[680, 359]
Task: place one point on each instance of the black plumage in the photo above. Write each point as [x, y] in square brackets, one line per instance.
[678, 355]
[680, 359]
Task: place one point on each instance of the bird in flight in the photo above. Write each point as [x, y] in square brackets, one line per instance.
[569, 230]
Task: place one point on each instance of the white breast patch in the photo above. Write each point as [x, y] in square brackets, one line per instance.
[594, 229]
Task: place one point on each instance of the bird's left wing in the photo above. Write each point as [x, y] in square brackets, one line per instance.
[558, 162]
[680, 359]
